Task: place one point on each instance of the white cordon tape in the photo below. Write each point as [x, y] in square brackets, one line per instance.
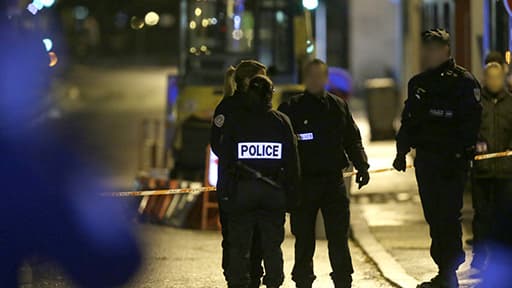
[353, 173]
[493, 155]
[211, 188]
[161, 192]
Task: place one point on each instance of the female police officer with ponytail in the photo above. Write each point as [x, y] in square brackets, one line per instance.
[260, 151]
[236, 85]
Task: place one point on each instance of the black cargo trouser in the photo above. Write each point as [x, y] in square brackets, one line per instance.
[482, 195]
[327, 194]
[258, 210]
[492, 201]
[499, 261]
[502, 213]
[441, 182]
[255, 270]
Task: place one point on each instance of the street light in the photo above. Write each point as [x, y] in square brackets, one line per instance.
[310, 4]
[152, 18]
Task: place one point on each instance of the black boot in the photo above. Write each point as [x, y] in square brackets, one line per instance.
[442, 281]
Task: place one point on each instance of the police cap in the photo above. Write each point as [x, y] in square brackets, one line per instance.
[261, 85]
[440, 36]
[248, 68]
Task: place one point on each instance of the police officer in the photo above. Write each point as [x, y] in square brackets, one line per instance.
[492, 178]
[441, 119]
[260, 151]
[326, 134]
[236, 83]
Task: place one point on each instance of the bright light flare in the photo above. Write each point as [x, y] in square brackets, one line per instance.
[38, 4]
[198, 11]
[152, 18]
[47, 3]
[53, 59]
[310, 4]
[32, 9]
[48, 44]
[136, 23]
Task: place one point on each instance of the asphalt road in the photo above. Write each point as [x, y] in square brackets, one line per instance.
[191, 259]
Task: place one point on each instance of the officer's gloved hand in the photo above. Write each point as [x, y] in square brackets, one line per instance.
[400, 163]
[362, 178]
[470, 152]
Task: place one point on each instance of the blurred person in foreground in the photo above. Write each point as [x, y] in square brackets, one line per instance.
[441, 119]
[50, 205]
[236, 85]
[492, 180]
[327, 134]
[260, 152]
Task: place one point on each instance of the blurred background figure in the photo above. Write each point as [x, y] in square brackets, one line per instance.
[492, 183]
[491, 177]
[496, 56]
[51, 207]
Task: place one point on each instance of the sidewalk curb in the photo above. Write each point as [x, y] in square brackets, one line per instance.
[387, 265]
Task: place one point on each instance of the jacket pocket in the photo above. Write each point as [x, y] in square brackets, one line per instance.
[504, 167]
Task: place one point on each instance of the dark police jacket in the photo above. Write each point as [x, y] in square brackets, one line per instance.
[442, 112]
[496, 132]
[326, 132]
[225, 110]
[264, 142]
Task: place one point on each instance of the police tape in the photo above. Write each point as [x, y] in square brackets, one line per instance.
[199, 190]
[162, 192]
[209, 188]
[493, 155]
[390, 169]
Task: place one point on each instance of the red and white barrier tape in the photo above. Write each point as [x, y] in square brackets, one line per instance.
[211, 188]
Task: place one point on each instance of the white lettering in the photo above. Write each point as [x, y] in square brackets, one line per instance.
[305, 136]
[259, 150]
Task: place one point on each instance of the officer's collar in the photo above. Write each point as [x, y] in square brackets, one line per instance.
[237, 93]
[448, 64]
[322, 96]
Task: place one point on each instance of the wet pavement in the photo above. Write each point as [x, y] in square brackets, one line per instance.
[178, 258]
[391, 207]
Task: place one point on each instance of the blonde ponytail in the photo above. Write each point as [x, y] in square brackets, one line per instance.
[229, 82]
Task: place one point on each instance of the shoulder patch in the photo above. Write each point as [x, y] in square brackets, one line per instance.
[477, 94]
[219, 120]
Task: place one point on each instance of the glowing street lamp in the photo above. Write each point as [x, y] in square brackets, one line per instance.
[310, 4]
[152, 18]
